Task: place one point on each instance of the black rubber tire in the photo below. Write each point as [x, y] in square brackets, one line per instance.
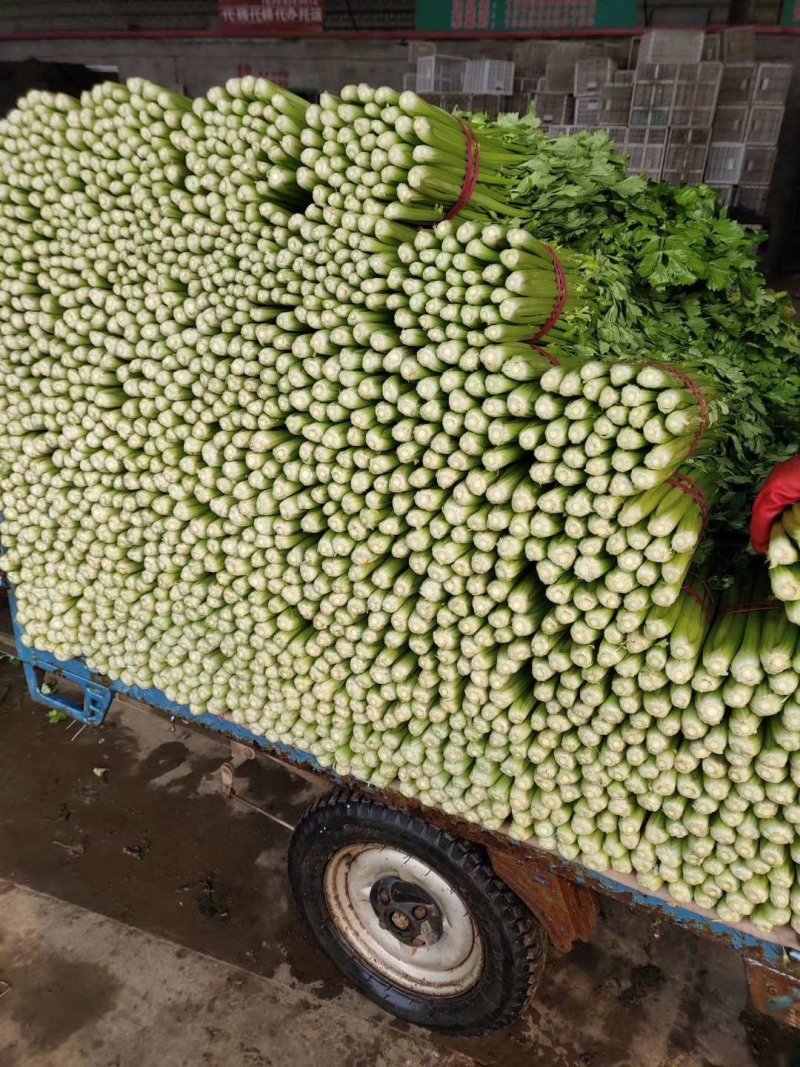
[513, 941]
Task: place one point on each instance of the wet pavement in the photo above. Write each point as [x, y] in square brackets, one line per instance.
[201, 958]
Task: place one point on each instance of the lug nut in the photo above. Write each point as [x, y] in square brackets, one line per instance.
[383, 896]
[420, 912]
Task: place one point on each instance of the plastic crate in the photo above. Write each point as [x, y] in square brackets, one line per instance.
[410, 80]
[530, 57]
[697, 117]
[724, 163]
[651, 103]
[758, 164]
[624, 77]
[489, 77]
[704, 73]
[541, 84]
[695, 102]
[653, 94]
[656, 72]
[725, 193]
[736, 83]
[614, 104]
[646, 159]
[650, 116]
[682, 175]
[554, 107]
[490, 103]
[591, 74]
[617, 134]
[587, 109]
[618, 49]
[684, 137]
[560, 67]
[730, 123]
[671, 46]
[752, 198]
[517, 102]
[764, 125]
[440, 74]
[686, 154]
[772, 83]
[647, 135]
[738, 44]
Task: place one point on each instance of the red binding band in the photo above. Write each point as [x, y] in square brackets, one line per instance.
[696, 391]
[758, 605]
[689, 486]
[471, 173]
[551, 359]
[706, 603]
[706, 600]
[562, 294]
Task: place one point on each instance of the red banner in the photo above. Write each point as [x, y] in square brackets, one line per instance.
[261, 16]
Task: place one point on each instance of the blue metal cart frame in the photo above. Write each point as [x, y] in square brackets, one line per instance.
[561, 893]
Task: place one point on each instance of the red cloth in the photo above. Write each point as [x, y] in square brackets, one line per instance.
[780, 491]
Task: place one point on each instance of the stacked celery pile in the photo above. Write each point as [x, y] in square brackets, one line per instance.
[424, 496]
[784, 559]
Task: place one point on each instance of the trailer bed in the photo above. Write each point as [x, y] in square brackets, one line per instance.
[560, 892]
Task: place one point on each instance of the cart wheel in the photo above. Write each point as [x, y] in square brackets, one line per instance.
[417, 919]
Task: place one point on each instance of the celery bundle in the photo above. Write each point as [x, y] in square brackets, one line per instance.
[388, 491]
[784, 560]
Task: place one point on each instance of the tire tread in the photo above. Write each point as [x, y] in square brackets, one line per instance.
[526, 937]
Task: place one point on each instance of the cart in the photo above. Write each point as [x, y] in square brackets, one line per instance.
[442, 923]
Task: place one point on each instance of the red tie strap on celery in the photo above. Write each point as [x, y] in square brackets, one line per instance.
[780, 491]
[702, 595]
[696, 391]
[562, 294]
[689, 486]
[551, 359]
[757, 605]
[471, 173]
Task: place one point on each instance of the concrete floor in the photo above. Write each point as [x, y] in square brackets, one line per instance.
[85, 989]
[145, 921]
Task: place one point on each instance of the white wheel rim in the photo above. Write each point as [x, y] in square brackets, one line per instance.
[444, 967]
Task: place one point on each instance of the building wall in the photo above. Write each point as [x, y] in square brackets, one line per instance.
[194, 66]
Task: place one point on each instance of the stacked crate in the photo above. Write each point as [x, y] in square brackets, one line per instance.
[694, 102]
[601, 101]
[653, 94]
[770, 87]
[438, 73]
[554, 99]
[468, 84]
[685, 106]
[646, 147]
[665, 64]
[489, 77]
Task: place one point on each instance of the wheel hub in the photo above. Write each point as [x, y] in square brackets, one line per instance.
[403, 919]
[406, 911]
